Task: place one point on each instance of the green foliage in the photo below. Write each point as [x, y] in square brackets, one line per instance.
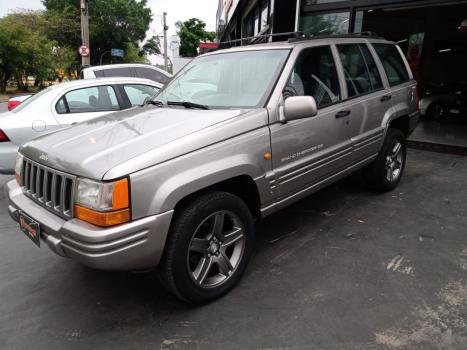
[112, 23]
[152, 46]
[133, 54]
[26, 50]
[191, 32]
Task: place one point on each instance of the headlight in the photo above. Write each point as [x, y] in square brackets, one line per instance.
[19, 168]
[102, 203]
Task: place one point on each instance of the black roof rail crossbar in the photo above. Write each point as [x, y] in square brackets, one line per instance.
[296, 35]
[367, 34]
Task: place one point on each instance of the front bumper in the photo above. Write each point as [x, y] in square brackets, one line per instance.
[137, 245]
[413, 121]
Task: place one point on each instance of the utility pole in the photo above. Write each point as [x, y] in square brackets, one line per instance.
[85, 60]
[166, 59]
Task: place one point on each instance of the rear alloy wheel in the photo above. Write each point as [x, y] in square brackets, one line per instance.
[386, 171]
[208, 248]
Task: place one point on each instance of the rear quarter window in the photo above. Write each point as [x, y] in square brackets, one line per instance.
[152, 74]
[393, 63]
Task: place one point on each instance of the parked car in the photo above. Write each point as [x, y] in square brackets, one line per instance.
[64, 104]
[443, 100]
[178, 183]
[16, 101]
[144, 71]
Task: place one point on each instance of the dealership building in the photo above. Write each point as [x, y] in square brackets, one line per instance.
[433, 34]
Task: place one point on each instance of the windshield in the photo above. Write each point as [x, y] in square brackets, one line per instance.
[30, 100]
[227, 80]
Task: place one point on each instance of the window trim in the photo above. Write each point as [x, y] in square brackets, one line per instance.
[63, 96]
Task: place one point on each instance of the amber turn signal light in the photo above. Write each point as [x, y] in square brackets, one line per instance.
[102, 219]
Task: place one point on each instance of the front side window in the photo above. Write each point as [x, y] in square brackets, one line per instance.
[361, 73]
[86, 100]
[315, 75]
[393, 63]
[227, 80]
[139, 94]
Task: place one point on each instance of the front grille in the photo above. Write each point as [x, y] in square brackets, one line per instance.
[52, 189]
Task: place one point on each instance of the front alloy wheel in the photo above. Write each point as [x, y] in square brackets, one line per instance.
[216, 249]
[208, 247]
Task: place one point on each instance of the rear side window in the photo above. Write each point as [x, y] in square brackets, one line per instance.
[314, 74]
[361, 73]
[99, 73]
[393, 63]
[138, 94]
[152, 74]
[116, 72]
[87, 100]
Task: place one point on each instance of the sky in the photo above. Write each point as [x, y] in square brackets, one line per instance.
[177, 10]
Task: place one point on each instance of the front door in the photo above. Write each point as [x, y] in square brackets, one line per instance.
[308, 151]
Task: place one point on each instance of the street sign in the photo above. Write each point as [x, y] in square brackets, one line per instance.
[84, 51]
[117, 52]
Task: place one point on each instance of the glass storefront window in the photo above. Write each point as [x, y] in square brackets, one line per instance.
[324, 24]
[264, 14]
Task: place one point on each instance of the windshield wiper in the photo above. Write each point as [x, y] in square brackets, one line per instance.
[187, 104]
[154, 102]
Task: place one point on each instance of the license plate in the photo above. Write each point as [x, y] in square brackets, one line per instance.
[454, 111]
[31, 228]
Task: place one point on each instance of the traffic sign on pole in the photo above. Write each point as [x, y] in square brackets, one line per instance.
[83, 51]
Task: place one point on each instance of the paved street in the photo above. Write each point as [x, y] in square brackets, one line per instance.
[343, 269]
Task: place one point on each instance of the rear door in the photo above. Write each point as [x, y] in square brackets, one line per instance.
[310, 150]
[403, 88]
[368, 99]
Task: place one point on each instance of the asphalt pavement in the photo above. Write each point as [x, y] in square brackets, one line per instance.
[344, 269]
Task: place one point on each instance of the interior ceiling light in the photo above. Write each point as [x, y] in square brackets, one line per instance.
[463, 26]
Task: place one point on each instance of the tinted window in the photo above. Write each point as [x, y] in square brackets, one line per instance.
[117, 72]
[99, 73]
[137, 94]
[315, 74]
[93, 99]
[61, 106]
[152, 74]
[361, 75]
[393, 63]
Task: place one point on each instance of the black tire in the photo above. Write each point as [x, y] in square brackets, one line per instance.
[436, 111]
[376, 174]
[175, 269]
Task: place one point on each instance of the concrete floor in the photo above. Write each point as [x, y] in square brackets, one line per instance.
[451, 130]
[344, 269]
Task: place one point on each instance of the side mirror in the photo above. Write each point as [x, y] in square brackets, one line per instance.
[299, 107]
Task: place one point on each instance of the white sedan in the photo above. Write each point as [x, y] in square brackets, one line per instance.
[65, 104]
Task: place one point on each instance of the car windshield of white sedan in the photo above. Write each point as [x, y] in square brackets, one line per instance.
[226, 80]
[30, 100]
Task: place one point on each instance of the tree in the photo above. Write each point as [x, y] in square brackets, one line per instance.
[133, 54]
[25, 50]
[191, 32]
[113, 23]
[152, 46]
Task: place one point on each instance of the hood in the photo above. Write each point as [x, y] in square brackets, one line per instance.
[92, 148]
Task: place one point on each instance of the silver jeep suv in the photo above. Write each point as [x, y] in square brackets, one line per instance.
[237, 135]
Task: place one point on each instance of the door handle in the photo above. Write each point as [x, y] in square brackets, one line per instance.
[386, 98]
[342, 114]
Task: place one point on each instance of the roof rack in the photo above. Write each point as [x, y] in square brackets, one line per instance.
[253, 39]
[366, 34]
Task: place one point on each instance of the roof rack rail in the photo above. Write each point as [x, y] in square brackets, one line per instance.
[252, 39]
[366, 34]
